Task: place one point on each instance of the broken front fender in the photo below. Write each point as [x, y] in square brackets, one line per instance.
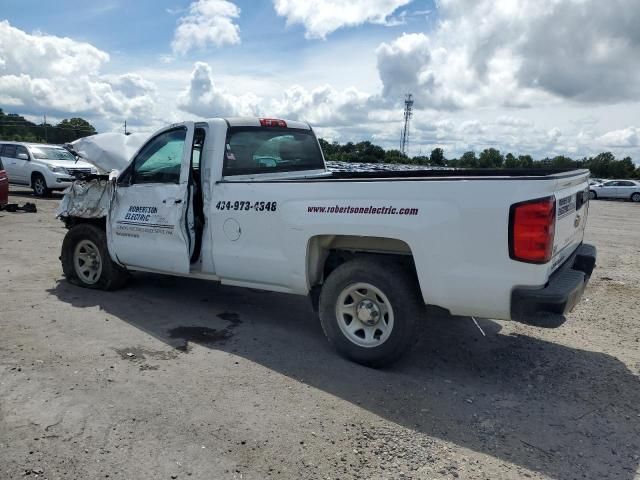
[86, 199]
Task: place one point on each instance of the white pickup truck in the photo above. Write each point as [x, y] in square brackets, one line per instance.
[249, 202]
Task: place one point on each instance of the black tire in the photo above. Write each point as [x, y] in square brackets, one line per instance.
[635, 197]
[111, 275]
[400, 287]
[39, 185]
[592, 195]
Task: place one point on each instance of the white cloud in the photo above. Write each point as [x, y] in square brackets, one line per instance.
[626, 137]
[481, 77]
[44, 74]
[209, 22]
[204, 99]
[46, 55]
[322, 17]
[511, 121]
[517, 54]
[323, 106]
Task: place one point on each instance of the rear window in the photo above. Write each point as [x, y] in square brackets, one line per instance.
[266, 149]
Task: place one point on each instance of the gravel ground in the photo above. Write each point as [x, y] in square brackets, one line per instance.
[177, 378]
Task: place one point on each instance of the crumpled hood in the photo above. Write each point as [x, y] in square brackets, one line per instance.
[109, 151]
[66, 163]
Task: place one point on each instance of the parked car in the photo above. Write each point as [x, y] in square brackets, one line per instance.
[626, 189]
[249, 202]
[42, 167]
[4, 185]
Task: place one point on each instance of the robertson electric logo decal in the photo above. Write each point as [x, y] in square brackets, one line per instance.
[142, 214]
[566, 206]
[143, 219]
[370, 210]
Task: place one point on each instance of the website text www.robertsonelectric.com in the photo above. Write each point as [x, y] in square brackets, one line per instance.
[370, 210]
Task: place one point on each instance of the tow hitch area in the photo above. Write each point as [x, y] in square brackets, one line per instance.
[546, 307]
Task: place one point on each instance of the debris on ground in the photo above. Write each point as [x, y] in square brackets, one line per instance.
[14, 207]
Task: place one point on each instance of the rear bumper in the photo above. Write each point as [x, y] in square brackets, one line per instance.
[547, 306]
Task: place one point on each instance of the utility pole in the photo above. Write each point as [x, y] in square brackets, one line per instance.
[46, 138]
[408, 113]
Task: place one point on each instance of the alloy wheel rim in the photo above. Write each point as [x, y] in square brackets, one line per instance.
[87, 262]
[365, 315]
[39, 186]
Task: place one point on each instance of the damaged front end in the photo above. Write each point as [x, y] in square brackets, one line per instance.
[86, 199]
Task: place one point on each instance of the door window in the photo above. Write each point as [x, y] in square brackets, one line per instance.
[20, 149]
[160, 160]
[626, 184]
[9, 151]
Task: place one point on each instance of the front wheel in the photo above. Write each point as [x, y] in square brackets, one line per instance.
[86, 261]
[592, 195]
[635, 197]
[370, 309]
[39, 185]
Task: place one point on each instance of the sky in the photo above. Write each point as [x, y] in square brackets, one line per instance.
[538, 77]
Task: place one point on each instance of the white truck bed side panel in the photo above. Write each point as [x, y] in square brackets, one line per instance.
[458, 236]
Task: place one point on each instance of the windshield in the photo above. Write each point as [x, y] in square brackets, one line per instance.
[52, 153]
[264, 150]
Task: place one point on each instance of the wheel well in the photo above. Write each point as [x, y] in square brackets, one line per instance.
[70, 222]
[33, 176]
[326, 252]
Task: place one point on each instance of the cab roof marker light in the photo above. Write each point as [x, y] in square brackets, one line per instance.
[272, 122]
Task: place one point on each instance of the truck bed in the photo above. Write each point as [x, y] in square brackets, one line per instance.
[435, 174]
[484, 173]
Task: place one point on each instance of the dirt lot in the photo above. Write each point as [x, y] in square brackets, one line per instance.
[176, 378]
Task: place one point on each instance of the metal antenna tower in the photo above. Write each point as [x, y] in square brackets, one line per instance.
[408, 112]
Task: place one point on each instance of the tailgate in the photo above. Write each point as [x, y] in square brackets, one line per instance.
[572, 204]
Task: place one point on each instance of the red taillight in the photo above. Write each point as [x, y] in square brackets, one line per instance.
[272, 122]
[531, 229]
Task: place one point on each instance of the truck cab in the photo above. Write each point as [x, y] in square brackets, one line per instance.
[160, 197]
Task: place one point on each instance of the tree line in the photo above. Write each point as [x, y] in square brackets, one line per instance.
[17, 128]
[603, 165]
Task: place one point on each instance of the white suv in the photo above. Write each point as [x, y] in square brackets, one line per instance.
[42, 167]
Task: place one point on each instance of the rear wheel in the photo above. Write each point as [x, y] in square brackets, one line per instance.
[86, 261]
[592, 195]
[635, 197]
[39, 185]
[369, 310]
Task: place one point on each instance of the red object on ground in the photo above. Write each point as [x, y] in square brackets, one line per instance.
[4, 186]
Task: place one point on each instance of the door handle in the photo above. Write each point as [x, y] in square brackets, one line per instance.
[169, 200]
